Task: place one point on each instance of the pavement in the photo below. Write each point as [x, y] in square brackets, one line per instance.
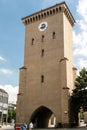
[7, 127]
[77, 128]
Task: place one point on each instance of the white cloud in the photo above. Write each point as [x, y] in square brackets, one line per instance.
[80, 36]
[2, 59]
[82, 9]
[82, 63]
[80, 51]
[12, 92]
[6, 71]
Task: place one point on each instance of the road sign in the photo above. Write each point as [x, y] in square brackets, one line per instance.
[23, 127]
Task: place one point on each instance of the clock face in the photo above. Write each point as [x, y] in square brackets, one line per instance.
[42, 26]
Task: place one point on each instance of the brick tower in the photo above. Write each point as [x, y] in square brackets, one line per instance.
[47, 77]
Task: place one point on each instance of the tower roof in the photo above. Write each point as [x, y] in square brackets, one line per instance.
[61, 7]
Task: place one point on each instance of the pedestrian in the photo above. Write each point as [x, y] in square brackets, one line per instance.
[30, 125]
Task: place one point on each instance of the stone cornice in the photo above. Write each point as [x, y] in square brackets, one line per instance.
[23, 67]
[58, 8]
[64, 59]
[74, 68]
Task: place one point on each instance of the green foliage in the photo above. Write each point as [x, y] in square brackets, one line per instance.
[81, 113]
[11, 115]
[81, 80]
[79, 95]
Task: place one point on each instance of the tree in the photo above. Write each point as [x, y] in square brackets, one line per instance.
[11, 115]
[80, 91]
[79, 95]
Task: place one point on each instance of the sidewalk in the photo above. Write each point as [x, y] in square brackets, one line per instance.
[7, 127]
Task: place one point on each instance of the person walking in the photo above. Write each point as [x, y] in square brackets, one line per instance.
[30, 126]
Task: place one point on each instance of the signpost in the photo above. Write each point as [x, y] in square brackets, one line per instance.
[23, 127]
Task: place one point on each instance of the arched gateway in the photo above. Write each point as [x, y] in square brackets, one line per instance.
[47, 77]
[42, 117]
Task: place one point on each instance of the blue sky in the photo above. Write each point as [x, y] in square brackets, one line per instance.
[12, 37]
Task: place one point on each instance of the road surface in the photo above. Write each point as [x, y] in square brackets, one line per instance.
[12, 128]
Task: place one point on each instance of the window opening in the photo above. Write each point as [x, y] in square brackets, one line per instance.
[54, 35]
[42, 53]
[42, 38]
[42, 78]
[33, 42]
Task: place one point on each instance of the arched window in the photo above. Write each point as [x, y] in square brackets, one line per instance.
[53, 11]
[26, 21]
[56, 10]
[50, 11]
[38, 16]
[47, 13]
[44, 14]
[59, 8]
[31, 19]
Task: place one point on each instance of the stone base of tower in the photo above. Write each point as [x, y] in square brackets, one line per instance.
[65, 125]
[62, 125]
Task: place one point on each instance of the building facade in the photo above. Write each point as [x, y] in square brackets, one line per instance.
[3, 106]
[47, 77]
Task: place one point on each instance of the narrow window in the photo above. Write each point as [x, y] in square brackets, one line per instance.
[59, 8]
[54, 35]
[38, 16]
[42, 38]
[42, 78]
[54, 11]
[50, 11]
[31, 19]
[32, 42]
[26, 21]
[44, 14]
[42, 53]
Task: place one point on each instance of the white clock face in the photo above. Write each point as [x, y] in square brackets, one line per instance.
[43, 26]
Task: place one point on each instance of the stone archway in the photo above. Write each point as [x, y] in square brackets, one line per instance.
[41, 117]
